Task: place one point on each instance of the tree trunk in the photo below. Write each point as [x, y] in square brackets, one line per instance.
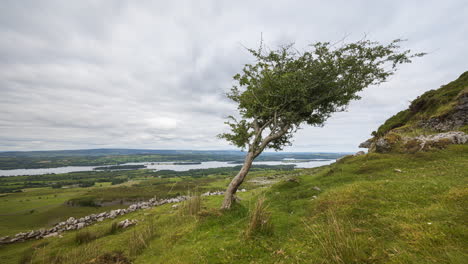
[237, 181]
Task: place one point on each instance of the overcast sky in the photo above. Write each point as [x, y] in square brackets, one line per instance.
[152, 74]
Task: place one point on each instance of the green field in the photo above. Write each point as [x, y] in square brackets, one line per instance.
[365, 212]
[35, 208]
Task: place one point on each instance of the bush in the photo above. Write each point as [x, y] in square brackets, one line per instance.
[83, 201]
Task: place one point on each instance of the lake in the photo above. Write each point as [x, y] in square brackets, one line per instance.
[167, 166]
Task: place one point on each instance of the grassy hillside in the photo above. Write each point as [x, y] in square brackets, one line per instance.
[434, 104]
[365, 211]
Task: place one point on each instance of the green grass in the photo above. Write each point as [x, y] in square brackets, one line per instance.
[365, 212]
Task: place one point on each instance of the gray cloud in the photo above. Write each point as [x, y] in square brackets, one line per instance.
[152, 74]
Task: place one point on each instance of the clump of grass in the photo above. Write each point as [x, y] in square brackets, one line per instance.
[139, 240]
[338, 242]
[259, 222]
[191, 206]
[83, 237]
[115, 257]
[113, 228]
[81, 255]
[27, 256]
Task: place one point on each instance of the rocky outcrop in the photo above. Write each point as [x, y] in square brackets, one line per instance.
[453, 120]
[359, 153]
[367, 143]
[394, 142]
[78, 223]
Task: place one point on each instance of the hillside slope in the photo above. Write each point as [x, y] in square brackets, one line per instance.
[422, 125]
[438, 110]
[374, 208]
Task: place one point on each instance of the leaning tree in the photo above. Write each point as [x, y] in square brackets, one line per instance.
[286, 88]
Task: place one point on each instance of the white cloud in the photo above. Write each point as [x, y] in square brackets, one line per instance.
[164, 123]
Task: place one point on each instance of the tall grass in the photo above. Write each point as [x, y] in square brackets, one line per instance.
[191, 206]
[113, 228]
[339, 244]
[259, 220]
[83, 237]
[140, 238]
[78, 255]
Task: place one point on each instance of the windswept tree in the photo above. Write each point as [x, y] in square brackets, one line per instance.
[285, 89]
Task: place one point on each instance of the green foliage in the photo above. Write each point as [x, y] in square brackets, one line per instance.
[286, 88]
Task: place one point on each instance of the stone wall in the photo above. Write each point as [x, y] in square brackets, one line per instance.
[75, 224]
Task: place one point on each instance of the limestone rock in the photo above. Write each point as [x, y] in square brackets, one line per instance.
[359, 153]
[54, 234]
[367, 143]
[126, 223]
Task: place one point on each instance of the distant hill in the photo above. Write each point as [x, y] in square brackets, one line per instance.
[97, 157]
[107, 152]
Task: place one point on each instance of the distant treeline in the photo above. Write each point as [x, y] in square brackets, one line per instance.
[121, 167]
[197, 173]
[53, 159]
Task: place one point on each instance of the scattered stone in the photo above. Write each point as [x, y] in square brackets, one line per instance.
[126, 223]
[316, 188]
[398, 170]
[359, 153]
[54, 234]
[293, 180]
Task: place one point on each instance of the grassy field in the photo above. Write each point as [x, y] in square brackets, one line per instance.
[358, 210]
[35, 208]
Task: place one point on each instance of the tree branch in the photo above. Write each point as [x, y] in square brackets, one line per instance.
[270, 138]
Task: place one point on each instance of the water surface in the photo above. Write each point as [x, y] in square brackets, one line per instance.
[167, 166]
